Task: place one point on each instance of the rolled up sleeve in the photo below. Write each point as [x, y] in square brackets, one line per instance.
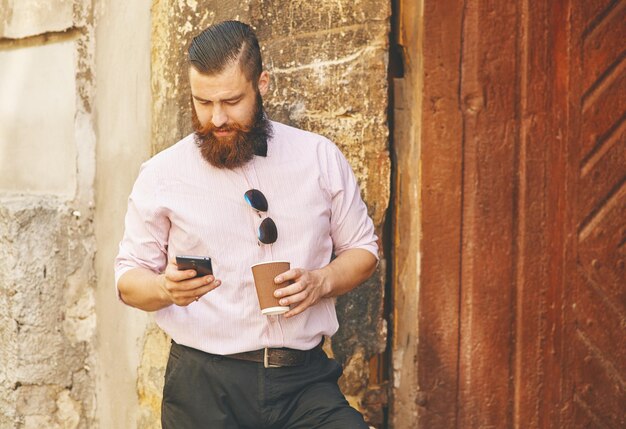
[144, 244]
[351, 226]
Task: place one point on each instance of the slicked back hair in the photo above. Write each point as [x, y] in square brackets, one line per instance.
[219, 45]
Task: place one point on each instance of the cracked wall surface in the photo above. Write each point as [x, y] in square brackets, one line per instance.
[48, 322]
[47, 246]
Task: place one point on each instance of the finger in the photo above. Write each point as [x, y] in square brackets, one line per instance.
[171, 266]
[184, 290]
[184, 302]
[198, 282]
[294, 299]
[186, 297]
[190, 288]
[206, 288]
[176, 275]
[185, 285]
[298, 309]
[292, 289]
[292, 274]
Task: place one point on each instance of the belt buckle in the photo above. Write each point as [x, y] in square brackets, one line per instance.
[266, 360]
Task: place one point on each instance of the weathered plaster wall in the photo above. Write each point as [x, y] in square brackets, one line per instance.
[328, 62]
[123, 131]
[24, 18]
[47, 152]
[39, 127]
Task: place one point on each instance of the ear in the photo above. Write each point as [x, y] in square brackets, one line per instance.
[264, 82]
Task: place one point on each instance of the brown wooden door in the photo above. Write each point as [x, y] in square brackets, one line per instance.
[521, 316]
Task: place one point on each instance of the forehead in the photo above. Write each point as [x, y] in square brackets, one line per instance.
[227, 83]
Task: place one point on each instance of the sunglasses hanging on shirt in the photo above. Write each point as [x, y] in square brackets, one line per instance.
[267, 232]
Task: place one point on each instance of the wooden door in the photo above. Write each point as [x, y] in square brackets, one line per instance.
[521, 308]
[594, 345]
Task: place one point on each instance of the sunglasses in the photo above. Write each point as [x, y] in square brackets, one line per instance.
[267, 233]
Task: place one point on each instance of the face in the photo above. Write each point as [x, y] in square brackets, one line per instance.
[228, 115]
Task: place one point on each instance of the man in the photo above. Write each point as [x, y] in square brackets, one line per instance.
[231, 366]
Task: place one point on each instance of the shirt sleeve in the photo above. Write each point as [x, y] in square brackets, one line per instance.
[351, 227]
[147, 226]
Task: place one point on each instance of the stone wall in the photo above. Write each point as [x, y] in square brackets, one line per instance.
[48, 320]
[47, 153]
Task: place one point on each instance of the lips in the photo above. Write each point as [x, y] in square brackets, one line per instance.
[223, 133]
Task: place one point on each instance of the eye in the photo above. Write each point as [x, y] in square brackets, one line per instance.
[232, 102]
[201, 101]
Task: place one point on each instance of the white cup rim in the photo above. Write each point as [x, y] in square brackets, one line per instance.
[274, 311]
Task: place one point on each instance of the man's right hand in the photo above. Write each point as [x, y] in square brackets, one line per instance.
[148, 291]
[181, 288]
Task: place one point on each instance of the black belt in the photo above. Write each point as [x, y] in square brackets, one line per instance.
[275, 358]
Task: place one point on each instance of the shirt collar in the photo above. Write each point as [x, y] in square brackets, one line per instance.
[260, 149]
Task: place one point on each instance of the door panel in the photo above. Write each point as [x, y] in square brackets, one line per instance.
[596, 322]
[539, 280]
[603, 41]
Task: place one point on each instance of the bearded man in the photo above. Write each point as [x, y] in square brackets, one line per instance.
[231, 366]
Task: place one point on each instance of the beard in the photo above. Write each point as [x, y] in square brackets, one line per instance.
[237, 149]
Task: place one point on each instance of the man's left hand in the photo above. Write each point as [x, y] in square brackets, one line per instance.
[307, 290]
[348, 270]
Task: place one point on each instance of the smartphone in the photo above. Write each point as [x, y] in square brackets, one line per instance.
[201, 264]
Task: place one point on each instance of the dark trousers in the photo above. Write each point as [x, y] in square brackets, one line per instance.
[209, 391]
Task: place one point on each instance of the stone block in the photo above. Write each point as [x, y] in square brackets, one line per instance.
[37, 110]
[150, 376]
[43, 243]
[37, 399]
[24, 18]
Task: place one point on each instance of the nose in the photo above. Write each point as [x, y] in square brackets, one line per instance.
[219, 117]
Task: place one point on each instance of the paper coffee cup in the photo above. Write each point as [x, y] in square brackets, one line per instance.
[264, 274]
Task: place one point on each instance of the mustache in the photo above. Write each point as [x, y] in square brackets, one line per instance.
[209, 128]
[206, 130]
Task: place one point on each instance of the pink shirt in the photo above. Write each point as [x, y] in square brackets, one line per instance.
[181, 205]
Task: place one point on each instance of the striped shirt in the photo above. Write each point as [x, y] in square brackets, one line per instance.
[182, 205]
